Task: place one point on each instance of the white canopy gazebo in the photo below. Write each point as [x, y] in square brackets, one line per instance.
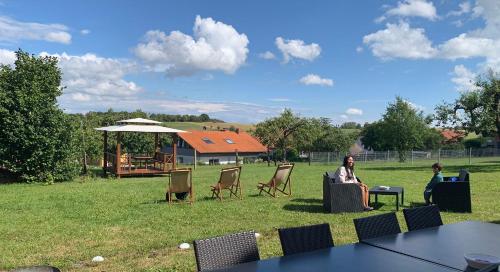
[161, 162]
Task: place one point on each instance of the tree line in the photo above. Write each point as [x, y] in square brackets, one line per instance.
[39, 142]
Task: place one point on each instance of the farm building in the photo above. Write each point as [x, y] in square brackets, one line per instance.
[217, 147]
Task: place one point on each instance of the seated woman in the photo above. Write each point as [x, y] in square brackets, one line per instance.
[438, 177]
[345, 174]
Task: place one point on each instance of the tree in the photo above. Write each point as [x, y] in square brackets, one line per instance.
[350, 125]
[37, 139]
[476, 110]
[402, 128]
[278, 131]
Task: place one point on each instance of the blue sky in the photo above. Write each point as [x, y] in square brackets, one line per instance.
[245, 61]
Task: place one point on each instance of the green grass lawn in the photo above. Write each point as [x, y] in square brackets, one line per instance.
[128, 223]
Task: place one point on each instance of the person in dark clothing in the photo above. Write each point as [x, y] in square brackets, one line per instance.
[438, 177]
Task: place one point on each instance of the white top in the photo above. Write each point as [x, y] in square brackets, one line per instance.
[341, 176]
[138, 121]
[140, 128]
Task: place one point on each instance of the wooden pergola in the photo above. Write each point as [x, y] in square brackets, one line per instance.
[138, 164]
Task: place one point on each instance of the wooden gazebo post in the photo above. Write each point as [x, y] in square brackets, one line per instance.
[174, 150]
[105, 153]
[157, 142]
[118, 154]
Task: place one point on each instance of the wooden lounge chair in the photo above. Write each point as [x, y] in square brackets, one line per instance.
[229, 180]
[180, 181]
[279, 182]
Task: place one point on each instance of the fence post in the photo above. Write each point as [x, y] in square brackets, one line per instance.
[327, 157]
[387, 157]
[310, 154]
[366, 154]
[470, 155]
[439, 154]
[412, 156]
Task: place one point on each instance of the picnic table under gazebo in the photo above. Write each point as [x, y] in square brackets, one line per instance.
[130, 164]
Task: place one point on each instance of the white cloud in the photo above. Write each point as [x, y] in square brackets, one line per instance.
[464, 8]
[89, 77]
[414, 106]
[214, 46]
[359, 49]
[297, 49]
[465, 46]
[312, 79]
[84, 31]
[343, 116]
[279, 99]
[13, 31]
[400, 41]
[267, 55]
[354, 111]
[7, 57]
[413, 8]
[464, 78]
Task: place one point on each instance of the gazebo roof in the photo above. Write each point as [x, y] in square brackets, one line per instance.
[134, 125]
[138, 121]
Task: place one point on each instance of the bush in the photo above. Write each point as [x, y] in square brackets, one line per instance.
[37, 138]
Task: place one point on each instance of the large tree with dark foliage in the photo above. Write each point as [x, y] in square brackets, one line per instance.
[36, 137]
[475, 110]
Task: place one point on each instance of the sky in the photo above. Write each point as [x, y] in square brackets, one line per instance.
[245, 61]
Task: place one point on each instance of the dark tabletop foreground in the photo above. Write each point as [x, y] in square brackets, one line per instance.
[357, 257]
[445, 244]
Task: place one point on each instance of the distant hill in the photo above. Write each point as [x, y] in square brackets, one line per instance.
[208, 125]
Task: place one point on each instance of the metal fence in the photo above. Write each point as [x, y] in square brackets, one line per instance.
[411, 156]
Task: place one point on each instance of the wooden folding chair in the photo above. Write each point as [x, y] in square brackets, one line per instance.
[229, 180]
[279, 182]
[180, 181]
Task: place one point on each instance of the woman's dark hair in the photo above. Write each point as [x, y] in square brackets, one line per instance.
[345, 164]
[437, 166]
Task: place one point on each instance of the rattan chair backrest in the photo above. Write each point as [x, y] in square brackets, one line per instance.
[225, 251]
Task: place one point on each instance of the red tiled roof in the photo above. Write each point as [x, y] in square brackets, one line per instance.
[242, 141]
[452, 134]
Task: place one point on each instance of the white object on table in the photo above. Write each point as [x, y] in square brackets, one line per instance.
[478, 260]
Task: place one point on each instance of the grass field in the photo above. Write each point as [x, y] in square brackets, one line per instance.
[128, 223]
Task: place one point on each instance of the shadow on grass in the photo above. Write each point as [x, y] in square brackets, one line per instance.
[416, 204]
[495, 222]
[308, 200]
[304, 208]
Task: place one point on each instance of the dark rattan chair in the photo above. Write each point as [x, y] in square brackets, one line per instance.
[339, 198]
[306, 238]
[453, 196]
[422, 217]
[376, 226]
[225, 251]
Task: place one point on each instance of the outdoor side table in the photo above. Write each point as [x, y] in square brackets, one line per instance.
[391, 191]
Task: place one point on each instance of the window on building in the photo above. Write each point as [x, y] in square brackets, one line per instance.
[207, 141]
[229, 141]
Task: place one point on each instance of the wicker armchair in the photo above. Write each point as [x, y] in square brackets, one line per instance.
[339, 198]
[376, 226]
[422, 217]
[225, 251]
[306, 238]
[453, 195]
